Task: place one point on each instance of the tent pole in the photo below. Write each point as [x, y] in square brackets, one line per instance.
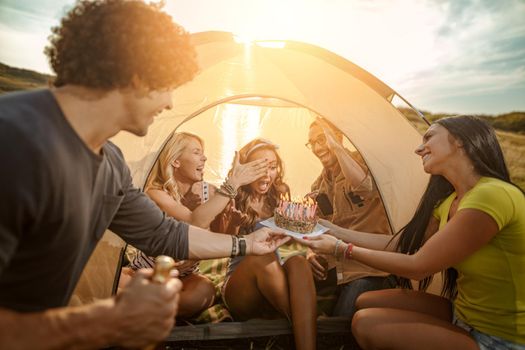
[414, 109]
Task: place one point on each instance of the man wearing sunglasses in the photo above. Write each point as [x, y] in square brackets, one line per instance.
[348, 197]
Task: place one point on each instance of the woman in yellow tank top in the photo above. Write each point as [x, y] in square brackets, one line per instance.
[470, 223]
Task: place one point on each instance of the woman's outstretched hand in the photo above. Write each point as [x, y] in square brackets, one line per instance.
[243, 174]
[264, 241]
[334, 229]
[323, 244]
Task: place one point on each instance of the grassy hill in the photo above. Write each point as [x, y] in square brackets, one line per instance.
[12, 79]
[510, 126]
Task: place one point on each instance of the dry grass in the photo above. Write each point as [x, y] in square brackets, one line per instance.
[513, 146]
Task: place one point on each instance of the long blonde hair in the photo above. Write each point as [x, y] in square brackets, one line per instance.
[161, 177]
[271, 198]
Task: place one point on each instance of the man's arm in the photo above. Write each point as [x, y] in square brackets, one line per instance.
[351, 169]
[140, 222]
[142, 314]
[56, 328]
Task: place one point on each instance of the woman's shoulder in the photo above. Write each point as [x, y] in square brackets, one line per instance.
[498, 198]
[154, 191]
[495, 187]
[158, 195]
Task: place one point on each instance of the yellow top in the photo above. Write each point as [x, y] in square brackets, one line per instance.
[491, 282]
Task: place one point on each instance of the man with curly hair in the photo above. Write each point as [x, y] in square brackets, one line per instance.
[63, 183]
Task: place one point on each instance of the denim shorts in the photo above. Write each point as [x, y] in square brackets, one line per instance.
[486, 341]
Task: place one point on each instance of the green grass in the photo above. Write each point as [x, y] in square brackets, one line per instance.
[513, 146]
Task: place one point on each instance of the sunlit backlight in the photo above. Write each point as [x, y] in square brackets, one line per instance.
[239, 124]
[271, 20]
[271, 44]
[363, 32]
[243, 40]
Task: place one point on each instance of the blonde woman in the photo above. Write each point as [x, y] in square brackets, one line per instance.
[176, 185]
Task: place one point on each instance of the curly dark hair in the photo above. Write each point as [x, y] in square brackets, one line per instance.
[103, 44]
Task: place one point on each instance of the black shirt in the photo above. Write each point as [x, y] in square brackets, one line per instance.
[57, 198]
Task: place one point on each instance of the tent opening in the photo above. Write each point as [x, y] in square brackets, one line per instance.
[226, 127]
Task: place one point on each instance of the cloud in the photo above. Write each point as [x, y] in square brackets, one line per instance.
[25, 50]
[24, 28]
[483, 53]
[432, 52]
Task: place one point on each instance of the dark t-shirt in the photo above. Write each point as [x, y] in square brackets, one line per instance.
[57, 198]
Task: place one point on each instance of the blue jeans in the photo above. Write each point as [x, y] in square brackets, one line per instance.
[487, 341]
[345, 305]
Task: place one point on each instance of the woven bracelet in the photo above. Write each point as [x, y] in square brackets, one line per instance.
[234, 252]
[222, 191]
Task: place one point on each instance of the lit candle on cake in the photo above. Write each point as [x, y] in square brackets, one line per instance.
[297, 215]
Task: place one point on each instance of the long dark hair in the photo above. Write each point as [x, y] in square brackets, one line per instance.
[483, 149]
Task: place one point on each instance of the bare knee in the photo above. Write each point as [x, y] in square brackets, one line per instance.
[362, 323]
[207, 292]
[363, 301]
[258, 262]
[369, 299]
[206, 287]
[266, 265]
[298, 263]
[196, 296]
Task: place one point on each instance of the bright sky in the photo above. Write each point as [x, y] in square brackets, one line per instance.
[456, 56]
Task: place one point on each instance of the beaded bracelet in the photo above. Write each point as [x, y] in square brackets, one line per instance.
[229, 187]
[222, 192]
[226, 189]
[348, 251]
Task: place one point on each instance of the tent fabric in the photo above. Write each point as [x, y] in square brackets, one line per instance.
[316, 81]
[275, 90]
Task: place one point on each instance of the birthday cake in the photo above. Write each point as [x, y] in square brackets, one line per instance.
[296, 215]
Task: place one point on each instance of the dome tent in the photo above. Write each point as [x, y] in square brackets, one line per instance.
[291, 76]
[274, 90]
